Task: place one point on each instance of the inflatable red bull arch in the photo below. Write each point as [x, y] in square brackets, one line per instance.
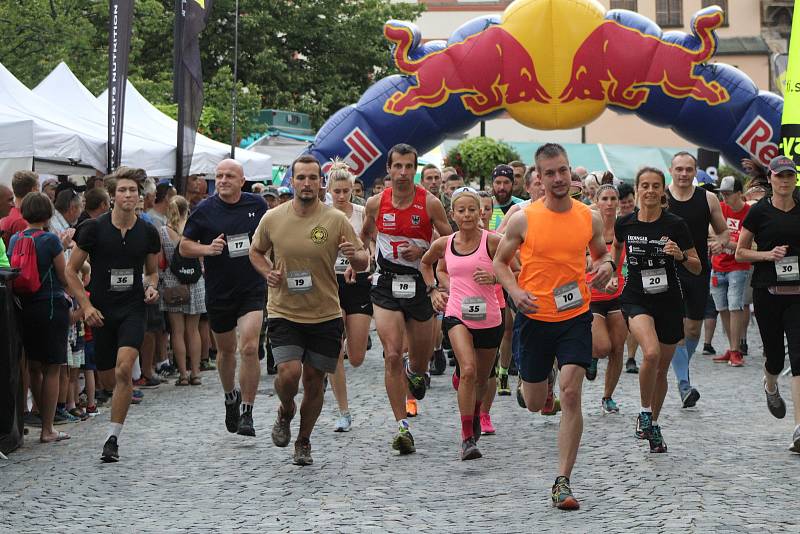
[554, 64]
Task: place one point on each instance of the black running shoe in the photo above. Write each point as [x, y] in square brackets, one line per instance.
[476, 428]
[110, 450]
[644, 425]
[469, 449]
[657, 444]
[232, 414]
[503, 388]
[743, 347]
[775, 402]
[689, 398]
[369, 342]
[520, 397]
[416, 383]
[246, 425]
[591, 371]
[451, 358]
[302, 452]
[708, 349]
[438, 362]
[631, 367]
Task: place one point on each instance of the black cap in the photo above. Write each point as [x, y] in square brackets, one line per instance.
[503, 170]
[781, 164]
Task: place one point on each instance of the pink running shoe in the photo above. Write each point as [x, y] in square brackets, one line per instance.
[486, 424]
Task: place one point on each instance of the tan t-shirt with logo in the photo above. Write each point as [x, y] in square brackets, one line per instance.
[305, 250]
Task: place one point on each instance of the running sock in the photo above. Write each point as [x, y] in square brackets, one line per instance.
[114, 430]
[502, 371]
[647, 409]
[691, 346]
[247, 408]
[466, 427]
[680, 364]
[403, 423]
[232, 396]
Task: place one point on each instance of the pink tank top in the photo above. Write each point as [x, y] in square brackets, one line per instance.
[474, 304]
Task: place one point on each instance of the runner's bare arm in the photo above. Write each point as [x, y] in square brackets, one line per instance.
[506, 251]
[745, 251]
[368, 229]
[443, 276]
[601, 258]
[493, 241]
[194, 249]
[352, 248]
[151, 275]
[502, 228]
[438, 215]
[721, 233]
[434, 254]
[690, 259]
[258, 252]
[72, 273]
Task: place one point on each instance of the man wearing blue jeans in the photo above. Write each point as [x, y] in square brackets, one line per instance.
[729, 278]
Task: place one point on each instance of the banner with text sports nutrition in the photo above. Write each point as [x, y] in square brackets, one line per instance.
[790, 120]
[119, 46]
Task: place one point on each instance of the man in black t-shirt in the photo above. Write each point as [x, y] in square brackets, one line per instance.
[121, 248]
[220, 230]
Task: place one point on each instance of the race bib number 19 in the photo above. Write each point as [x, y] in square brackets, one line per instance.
[299, 281]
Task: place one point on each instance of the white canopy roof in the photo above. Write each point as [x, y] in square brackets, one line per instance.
[140, 113]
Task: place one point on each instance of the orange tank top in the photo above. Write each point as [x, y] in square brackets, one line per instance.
[553, 258]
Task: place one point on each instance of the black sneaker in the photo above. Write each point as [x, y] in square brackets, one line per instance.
[110, 450]
[246, 425]
[657, 444]
[416, 383]
[631, 367]
[281, 430]
[708, 350]
[502, 385]
[369, 342]
[438, 362]
[451, 358]
[689, 398]
[743, 347]
[469, 449]
[302, 452]
[591, 371]
[775, 402]
[520, 397]
[403, 442]
[232, 414]
[644, 426]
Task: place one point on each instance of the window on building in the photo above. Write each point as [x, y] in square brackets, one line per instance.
[630, 5]
[669, 13]
[721, 3]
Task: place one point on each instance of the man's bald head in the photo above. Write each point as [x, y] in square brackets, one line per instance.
[231, 165]
[6, 200]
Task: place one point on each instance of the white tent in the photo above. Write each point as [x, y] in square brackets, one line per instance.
[207, 152]
[36, 134]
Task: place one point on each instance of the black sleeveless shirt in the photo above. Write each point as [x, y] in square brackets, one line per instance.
[697, 215]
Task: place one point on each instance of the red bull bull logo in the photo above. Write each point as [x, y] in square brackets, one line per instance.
[605, 66]
[489, 70]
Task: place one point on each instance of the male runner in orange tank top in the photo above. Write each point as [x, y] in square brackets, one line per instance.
[552, 297]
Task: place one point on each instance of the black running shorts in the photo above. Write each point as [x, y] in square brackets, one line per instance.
[482, 338]
[542, 342]
[121, 328]
[317, 344]
[418, 307]
[224, 314]
[355, 298]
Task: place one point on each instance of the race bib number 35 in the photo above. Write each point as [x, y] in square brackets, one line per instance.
[473, 309]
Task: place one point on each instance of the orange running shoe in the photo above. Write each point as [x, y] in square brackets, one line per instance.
[411, 407]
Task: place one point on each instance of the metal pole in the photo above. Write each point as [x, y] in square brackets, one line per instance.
[235, 78]
[179, 95]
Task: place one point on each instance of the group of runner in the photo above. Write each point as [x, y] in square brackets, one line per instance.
[511, 276]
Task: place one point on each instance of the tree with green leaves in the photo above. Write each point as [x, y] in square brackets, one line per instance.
[476, 157]
[311, 56]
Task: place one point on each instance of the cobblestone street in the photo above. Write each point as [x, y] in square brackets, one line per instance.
[728, 468]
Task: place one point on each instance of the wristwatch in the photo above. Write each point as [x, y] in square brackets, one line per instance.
[684, 258]
[429, 289]
[613, 265]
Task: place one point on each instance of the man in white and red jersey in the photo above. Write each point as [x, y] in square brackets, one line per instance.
[401, 221]
[730, 278]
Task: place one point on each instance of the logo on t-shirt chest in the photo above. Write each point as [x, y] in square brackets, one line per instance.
[389, 221]
[415, 220]
[319, 235]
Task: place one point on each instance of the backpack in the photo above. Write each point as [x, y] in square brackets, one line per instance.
[24, 258]
[186, 270]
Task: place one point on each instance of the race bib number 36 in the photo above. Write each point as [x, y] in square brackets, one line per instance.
[238, 245]
[121, 280]
[299, 281]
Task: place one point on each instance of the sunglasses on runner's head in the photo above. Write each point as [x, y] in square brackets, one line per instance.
[464, 189]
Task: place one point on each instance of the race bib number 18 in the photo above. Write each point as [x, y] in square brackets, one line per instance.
[404, 287]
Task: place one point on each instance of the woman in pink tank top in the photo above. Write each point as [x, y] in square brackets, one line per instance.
[472, 319]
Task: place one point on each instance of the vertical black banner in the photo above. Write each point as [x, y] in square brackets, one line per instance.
[190, 19]
[119, 46]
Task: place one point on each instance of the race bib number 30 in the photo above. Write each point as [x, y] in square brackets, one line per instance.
[121, 280]
[568, 297]
[238, 245]
[299, 281]
[404, 287]
[654, 281]
[786, 269]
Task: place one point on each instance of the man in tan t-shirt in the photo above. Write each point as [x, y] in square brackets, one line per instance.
[305, 320]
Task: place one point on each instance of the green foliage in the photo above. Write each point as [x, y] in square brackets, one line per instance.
[475, 158]
[727, 170]
[312, 56]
